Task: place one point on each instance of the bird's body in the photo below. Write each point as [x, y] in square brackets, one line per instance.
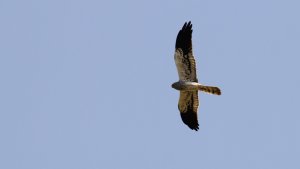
[194, 86]
[186, 86]
[188, 83]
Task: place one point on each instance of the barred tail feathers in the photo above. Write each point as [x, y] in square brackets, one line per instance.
[210, 89]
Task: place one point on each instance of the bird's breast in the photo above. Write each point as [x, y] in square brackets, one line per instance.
[186, 86]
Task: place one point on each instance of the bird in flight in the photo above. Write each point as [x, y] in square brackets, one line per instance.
[188, 83]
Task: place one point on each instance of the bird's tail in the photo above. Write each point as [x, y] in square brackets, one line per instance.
[210, 89]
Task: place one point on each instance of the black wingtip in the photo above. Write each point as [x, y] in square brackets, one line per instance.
[184, 37]
[190, 119]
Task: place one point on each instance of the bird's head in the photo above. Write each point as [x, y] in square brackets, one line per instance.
[175, 85]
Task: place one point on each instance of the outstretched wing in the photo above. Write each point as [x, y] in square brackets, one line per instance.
[184, 58]
[188, 105]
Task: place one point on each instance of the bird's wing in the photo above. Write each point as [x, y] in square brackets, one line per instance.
[184, 58]
[188, 105]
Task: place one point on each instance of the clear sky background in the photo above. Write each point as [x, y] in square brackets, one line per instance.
[86, 84]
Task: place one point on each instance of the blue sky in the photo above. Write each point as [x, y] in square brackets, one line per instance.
[86, 84]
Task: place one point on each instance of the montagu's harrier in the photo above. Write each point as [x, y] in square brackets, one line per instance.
[188, 83]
